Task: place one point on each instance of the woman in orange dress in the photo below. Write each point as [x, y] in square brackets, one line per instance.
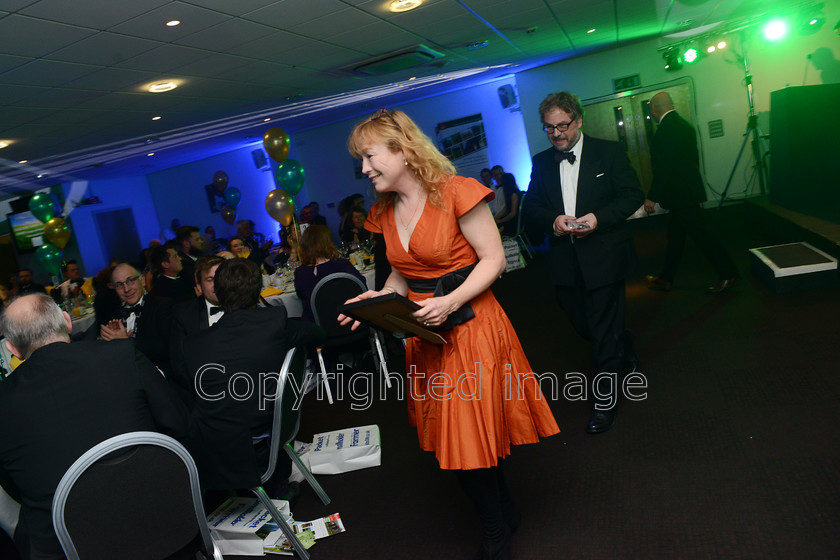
[468, 398]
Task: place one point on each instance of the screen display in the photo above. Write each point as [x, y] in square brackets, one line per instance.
[27, 231]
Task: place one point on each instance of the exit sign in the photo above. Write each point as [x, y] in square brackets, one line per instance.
[627, 82]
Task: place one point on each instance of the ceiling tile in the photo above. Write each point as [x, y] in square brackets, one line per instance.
[58, 98]
[11, 118]
[322, 56]
[152, 25]
[114, 101]
[226, 35]
[291, 13]
[7, 62]
[27, 36]
[10, 94]
[112, 80]
[15, 5]
[211, 65]
[336, 22]
[48, 73]
[98, 15]
[237, 8]
[164, 58]
[106, 49]
[271, 47]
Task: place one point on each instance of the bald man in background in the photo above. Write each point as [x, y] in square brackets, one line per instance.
[678, 187]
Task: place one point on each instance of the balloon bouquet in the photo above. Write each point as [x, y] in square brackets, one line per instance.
[50, 254]
[232, 196]
[288, 177]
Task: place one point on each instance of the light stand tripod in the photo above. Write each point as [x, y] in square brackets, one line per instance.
[753, 133]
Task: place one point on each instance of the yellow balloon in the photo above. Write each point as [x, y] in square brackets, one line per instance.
[276, 143]
[280, 206]
[57, 232]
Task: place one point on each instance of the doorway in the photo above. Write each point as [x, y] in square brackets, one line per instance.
[626, 119]
[118, 233]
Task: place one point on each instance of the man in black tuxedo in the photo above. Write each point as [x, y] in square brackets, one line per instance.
[64, 399]
[141, 316]
[192, 316]
[27, 285]
[582, 190]
[170, 282]
[228, 364]
[678, 187]
[190, 246]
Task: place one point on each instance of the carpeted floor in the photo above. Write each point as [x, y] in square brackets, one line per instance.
[734, 453]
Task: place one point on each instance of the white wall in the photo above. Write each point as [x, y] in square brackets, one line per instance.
[330, 169]
[179, 192]
[126, 192]
[718, 85]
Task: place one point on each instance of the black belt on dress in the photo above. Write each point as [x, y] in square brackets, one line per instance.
[442, 286]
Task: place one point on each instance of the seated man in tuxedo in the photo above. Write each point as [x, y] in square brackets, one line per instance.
[192, 316]
[169, 282]
[27, 284]
[55, 407]
[73, 281]
[145, 318]
[229, 364]
[190, 245]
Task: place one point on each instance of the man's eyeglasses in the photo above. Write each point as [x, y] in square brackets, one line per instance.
[129, 282]
[561, 127]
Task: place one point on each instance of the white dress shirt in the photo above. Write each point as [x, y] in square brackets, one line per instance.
[569, 178]
[212, 318]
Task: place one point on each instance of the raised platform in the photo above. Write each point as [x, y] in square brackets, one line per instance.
[794, 266]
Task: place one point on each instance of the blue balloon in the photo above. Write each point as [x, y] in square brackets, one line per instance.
[232, 196]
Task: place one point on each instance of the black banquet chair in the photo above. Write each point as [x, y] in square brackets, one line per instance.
[133, 496]
[329, 295]
[285, 425]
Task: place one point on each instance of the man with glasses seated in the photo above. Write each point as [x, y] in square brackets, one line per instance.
[141, 316]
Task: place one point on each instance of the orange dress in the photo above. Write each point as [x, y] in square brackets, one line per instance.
[468, 399]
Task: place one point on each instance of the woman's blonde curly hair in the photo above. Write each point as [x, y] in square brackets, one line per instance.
[399, 133]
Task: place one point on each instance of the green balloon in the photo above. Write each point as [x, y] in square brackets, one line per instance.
[49, 257]
[289, 176]
[41, 206]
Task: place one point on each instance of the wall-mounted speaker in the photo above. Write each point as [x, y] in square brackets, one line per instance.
[260, 160]
[508, 97]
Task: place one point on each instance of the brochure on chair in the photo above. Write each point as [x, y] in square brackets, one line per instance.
[393, 313]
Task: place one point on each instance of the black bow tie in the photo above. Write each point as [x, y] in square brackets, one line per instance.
[127, 310]
[214, 310]
[560, 156]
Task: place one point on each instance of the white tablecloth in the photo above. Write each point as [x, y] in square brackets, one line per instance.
[293, 305]
[81, 324]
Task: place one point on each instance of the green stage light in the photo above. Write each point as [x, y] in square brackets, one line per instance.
[690, 55]
[775, 30]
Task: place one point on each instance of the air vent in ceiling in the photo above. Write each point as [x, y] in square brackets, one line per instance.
[395, 61]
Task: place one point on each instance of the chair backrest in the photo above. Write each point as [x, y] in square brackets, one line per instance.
[133, 496]
[519, 223]
[286, 419]
[329, 294]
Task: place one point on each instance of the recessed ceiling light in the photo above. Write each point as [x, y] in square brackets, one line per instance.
[591, 30]
[160, 87]
[150, 154]
[404, 5]
[173, 23]
[412, 78]
[40, 175]
[156, 118]
[267, 119]
[23, 161]
[4, 143]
